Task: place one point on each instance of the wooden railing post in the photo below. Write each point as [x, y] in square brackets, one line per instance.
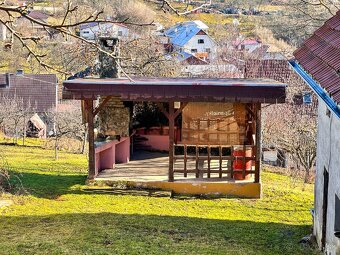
[258, 143]
[90, 121]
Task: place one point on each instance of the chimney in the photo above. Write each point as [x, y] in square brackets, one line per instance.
[114, 117]
[109, 67]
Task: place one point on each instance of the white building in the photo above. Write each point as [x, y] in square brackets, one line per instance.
[92, 30]
[192, 37]
[317, 62]
[248, 45]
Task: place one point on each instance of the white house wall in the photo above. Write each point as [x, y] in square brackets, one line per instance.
[90, 33]
[328, 157]
[201, 47]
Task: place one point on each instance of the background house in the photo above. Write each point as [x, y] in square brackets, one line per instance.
[30, 28]
[247, 44]
[318, 63]
[91, 30]
[37, 92]
[192, 37]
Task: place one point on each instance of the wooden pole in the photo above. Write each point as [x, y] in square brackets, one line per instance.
[258, 143]
[171, 140]
[90, 119]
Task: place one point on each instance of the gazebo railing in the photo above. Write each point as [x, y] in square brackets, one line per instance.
[214, 160]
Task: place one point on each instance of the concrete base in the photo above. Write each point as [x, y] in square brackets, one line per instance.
[241, 190]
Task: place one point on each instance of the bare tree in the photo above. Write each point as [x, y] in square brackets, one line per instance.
[301, 18]
[166, 5]
[292, 127]
[71, 16]
[68, 123]
[14, 114]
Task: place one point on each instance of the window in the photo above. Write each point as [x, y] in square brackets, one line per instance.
[193, 50]
[337, 217]
[120, 33]
[207, 50]
[307, 97]
[86, 32]
[200, 41]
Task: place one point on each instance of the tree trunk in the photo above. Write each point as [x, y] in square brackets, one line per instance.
[24, 133]
[307, 175]
[56, 148]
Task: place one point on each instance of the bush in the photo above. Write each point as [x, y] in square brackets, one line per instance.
[9, 182]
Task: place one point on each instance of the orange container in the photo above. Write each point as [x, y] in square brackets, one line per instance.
[238, 163]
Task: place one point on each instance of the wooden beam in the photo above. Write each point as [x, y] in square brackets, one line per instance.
[101, 105]
[250, 110]
[171, 118]
[209, 170]
[90, 118]
[258, 143]
[220, 162]
[163, 110]
[232, 163]
[183, 105]
[185, 160]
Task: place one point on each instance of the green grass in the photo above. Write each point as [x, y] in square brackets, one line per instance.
[60, 217]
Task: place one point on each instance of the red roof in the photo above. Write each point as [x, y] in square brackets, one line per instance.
[320, 56]
[275, 69]
[37, 90]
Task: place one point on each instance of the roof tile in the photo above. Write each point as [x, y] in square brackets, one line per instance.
[37, 90]
[320, 56]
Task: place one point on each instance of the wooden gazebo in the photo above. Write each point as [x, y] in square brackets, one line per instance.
[203, 138]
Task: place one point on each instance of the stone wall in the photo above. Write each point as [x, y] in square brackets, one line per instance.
[114, 118]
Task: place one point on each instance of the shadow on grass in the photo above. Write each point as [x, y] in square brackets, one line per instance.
[49, 185]
[109, 233]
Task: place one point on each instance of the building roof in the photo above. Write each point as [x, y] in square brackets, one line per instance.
[319, 56]
[38, 15]
[37, 90]
[178, 89]
[181, 33]
[276, 69]
[93, 24]
[246, 42]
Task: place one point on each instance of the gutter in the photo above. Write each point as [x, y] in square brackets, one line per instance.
[316, 87]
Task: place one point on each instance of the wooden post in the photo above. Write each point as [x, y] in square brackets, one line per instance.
[232, 163]
[220, 162]
[90, 119]
[197, 165]
[185, 161]
[258, 143]
[209, 170]
[171, 140]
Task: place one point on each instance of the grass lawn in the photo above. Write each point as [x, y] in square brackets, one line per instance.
[60, 217]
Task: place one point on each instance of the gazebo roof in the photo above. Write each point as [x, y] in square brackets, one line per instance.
[178, 89]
